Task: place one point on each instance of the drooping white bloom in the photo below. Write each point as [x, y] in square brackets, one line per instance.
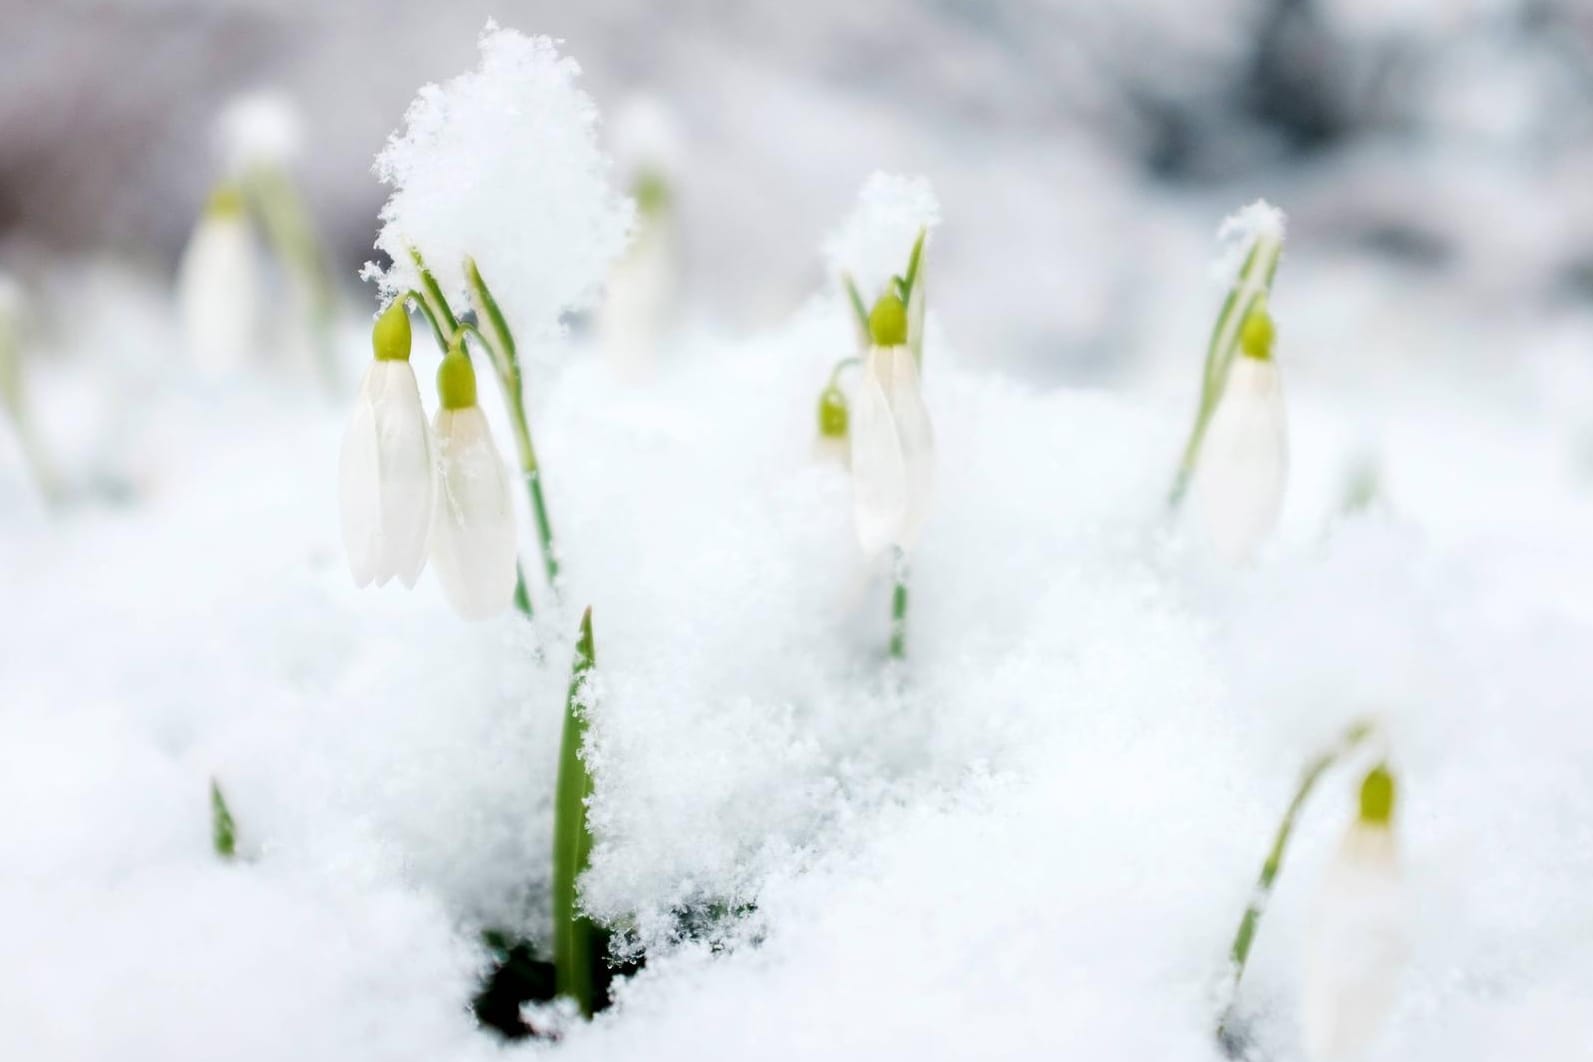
[1357, 942]
[1244, 464]
[218, 287]
[501, 164]
[386, 474]
[473, 530]
[893, 445]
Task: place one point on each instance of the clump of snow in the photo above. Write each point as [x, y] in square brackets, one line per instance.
[502, 164]
[874, 242]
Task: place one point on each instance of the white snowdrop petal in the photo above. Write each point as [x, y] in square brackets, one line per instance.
[359, 495]
[879, 474]
[216, 293]
[407, 472]
[473, 532]
[1356, 948]
[1244, 463]
[916, 438]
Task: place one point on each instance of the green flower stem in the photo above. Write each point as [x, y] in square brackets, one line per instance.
[424, 306]
[439, 303]
[840, 367]
[859, 308]
[899, 607]
[223, 832]
[291, 233]
[509, 377]
[578, 944]
[1252, 285]
[1239, 953]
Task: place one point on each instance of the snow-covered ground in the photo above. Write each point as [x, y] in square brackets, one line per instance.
[1033, 839]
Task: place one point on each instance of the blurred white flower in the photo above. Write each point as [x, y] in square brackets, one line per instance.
[386, 475]
[218, 286]
[1244, 465]
[473, 529]
[893, 445]
[1357, 942]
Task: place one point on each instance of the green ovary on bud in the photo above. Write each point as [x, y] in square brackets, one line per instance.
[652, 194]
[226, 201]
[456, 379]
[390, 336]
[1377, 797]
[887, 324]
[1256, 333]
[832, 413]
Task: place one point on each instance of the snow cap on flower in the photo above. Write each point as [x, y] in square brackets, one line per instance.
[1258, 222]
[876, 240]
[501, 163]
[259, 129]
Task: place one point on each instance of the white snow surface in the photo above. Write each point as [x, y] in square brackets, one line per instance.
[1037, 840]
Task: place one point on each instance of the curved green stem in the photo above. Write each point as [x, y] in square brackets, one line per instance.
[431, 317]
[291, 232]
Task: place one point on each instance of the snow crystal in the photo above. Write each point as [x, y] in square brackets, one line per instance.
[502, 164]
[1239, 231]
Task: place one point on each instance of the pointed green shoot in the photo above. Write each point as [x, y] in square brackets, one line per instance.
[578, 945]
[859, 309]
[223, 832]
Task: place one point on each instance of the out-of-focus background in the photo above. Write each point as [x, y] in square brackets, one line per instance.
[1072, 144]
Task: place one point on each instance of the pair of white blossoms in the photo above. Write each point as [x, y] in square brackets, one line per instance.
[410, 492]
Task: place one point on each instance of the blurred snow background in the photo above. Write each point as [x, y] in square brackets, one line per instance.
[1043, 844]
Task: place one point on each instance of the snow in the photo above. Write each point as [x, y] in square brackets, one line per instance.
[502, 164]
[1033, 839]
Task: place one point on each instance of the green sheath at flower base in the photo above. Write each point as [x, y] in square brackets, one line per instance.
[579, 945]
[390, 336]
[832, 413]
[887, 324]
[456, 378]
[1377, 797]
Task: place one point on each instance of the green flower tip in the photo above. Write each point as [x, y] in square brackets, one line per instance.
[390, 335]
[1377, 796]
[456, 379]
[1256, 333]
[887, 325]
[226, 201]
[832, 413]
[652, 193]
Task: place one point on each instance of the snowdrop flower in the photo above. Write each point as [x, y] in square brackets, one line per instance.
[473, 535]
[386, 474]
[217, 286]
[1244, 466]
[639, 308]
[893, 446]
[1357, 941]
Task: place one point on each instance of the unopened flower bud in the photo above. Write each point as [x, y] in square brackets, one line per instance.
[832, 413]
